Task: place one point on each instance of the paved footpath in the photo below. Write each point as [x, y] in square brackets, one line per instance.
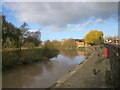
[90, 75]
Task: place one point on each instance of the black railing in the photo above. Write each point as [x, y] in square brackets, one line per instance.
[114, 57]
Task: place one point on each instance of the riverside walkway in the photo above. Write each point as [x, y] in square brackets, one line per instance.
[91, 73]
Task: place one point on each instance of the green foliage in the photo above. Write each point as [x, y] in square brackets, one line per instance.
[48, 44]
[49, 50]
[27, 56]
[24, 27]
[56, 44]
[29, 45]
[50, 53]
[33, 37]
[9, 43]
[9, 58]
[68, 44]
[19, 35]
[94, 37]
[13, 37]
[10, 31]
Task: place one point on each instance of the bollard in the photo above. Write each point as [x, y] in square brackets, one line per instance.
[106, 52]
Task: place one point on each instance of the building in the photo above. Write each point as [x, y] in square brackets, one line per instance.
[79, 42]
[108, 40]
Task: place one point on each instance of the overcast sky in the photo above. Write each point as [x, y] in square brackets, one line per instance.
[64, 19]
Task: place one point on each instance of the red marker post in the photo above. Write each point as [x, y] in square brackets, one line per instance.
[106, 52]
[114, 44]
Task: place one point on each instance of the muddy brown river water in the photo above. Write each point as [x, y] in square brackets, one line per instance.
[41, 74]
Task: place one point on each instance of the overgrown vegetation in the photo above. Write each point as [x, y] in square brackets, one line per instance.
[68, 44]
[11, 58]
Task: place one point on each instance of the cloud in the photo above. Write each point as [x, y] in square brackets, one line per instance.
[33, 30]
[56, 16]
[54, 28]
[87, 24]
[73, 27]
[99, 21]
[93, 22]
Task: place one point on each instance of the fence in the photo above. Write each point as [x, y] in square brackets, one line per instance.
[114, 57]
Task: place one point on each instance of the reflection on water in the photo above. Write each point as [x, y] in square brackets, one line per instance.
[42, 74]
[68, 53]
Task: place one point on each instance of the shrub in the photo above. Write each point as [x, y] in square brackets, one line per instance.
[9, 43]
[9, 58]
[26, 56]
[29, 45]
[50, 53]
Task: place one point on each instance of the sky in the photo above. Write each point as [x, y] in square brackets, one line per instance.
[63, 20]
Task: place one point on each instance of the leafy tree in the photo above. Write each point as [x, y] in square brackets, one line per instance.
[94, 37]
[10, 31]
[24, 28]
[19, 35]
[68, 44]
[33, 37]
[56, 44]
[9, 43]
[48, 44]
[49, 50]
[29, 45]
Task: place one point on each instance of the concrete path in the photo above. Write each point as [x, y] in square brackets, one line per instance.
[90, 75]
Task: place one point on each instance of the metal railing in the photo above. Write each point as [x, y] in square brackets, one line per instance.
[114, 57]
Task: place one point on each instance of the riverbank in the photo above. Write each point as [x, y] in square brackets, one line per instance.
[89, 74]
[14, 58]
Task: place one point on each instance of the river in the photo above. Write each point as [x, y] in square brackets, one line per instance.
[42, 74]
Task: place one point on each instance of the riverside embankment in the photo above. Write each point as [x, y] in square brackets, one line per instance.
[89, 74]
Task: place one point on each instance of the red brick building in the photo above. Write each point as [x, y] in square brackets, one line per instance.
[79, 42]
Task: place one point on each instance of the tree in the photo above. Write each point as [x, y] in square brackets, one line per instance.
[24, 30]
[49, 50]
[24, 27]
[68, 44]
[10, 31]
[56, 44]
[9, 43]
[19, 35]
[94, 37]
[29, 45]
[33, 37]
[48, 44]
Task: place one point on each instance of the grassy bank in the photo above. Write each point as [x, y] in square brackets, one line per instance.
[12, 58]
